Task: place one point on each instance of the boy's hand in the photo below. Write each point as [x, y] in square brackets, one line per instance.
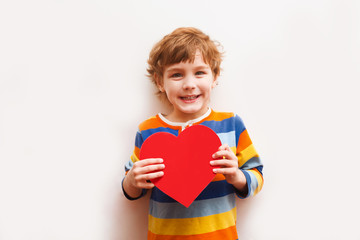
[140, 175]
[229, 166]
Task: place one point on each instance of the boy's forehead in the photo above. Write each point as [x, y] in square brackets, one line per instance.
[197, 61]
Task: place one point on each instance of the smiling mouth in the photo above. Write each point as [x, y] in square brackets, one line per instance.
[188, 98]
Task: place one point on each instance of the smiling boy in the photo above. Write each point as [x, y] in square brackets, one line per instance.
[185, 66]
[188, 87]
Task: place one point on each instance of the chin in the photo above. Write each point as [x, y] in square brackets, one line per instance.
[193, 110]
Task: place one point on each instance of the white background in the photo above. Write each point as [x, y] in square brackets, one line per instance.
[73, 90]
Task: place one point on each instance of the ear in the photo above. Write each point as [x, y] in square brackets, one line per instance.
[160, 87]
[215, 82]
[159, 84]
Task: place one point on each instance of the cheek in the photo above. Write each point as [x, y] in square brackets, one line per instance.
[171, 88]
[208, 88]
[170, 94]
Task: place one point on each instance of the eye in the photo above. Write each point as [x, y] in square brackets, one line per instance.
[199, 73]
[176, 75]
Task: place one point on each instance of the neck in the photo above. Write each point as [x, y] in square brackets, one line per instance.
[183, 118]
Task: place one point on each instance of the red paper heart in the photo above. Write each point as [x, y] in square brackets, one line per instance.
[187, 161]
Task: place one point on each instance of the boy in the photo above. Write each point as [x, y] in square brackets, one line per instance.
[185, 65]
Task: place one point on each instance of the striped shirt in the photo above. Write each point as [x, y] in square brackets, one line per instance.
[212, 215]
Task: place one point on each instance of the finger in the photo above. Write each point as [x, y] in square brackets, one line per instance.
[147, 185]
[224, 147]
[149, 161]
[148, 176]
[151, 168]
[224, 163]
[140, 171]
[225, 171]
[223, 153]
[154, 175]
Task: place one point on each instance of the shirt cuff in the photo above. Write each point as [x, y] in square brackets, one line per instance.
[248, 183]
[143, 192]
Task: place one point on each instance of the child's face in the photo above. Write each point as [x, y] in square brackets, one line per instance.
[188, 87]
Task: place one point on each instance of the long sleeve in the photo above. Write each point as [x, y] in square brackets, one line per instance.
[134, 158]
[249, 160]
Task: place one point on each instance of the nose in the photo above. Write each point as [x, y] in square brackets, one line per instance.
[189, 83]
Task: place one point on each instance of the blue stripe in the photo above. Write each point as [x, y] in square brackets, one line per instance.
[147, 133]
[252, 163]
[254, 183]
[196, 209]
[143, 135]
[227, 138]
[248, 180]
[213, 190]
[138, 140]
[260, 169]
[226, 125]
[128, 165]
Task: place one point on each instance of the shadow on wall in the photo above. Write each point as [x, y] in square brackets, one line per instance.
[130, 218]
[244, 207]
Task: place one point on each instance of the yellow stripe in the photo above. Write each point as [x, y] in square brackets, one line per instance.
[247, 154]
[259, 179]
[192, 226]
[233, 149]
[134, 158]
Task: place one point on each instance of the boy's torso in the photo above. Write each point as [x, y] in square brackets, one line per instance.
[213, 214]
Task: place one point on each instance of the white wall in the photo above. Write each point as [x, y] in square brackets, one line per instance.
[73, 90]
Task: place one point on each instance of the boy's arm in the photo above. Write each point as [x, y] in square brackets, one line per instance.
[138, 177]
[138, 173]
[249, 161]
[244, 169]
[229, 167]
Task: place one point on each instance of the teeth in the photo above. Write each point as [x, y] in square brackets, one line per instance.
[189, 98]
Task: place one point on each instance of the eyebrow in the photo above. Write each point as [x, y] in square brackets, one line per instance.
[170, 69]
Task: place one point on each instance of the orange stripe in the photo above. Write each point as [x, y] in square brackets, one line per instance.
[219, 116]
[164, 124]
[244, 141]
[218, 177]
[137, 152]
[150, 123]
[155, 122]
[227, 233]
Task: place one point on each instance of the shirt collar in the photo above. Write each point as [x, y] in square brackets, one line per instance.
[183, 125]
